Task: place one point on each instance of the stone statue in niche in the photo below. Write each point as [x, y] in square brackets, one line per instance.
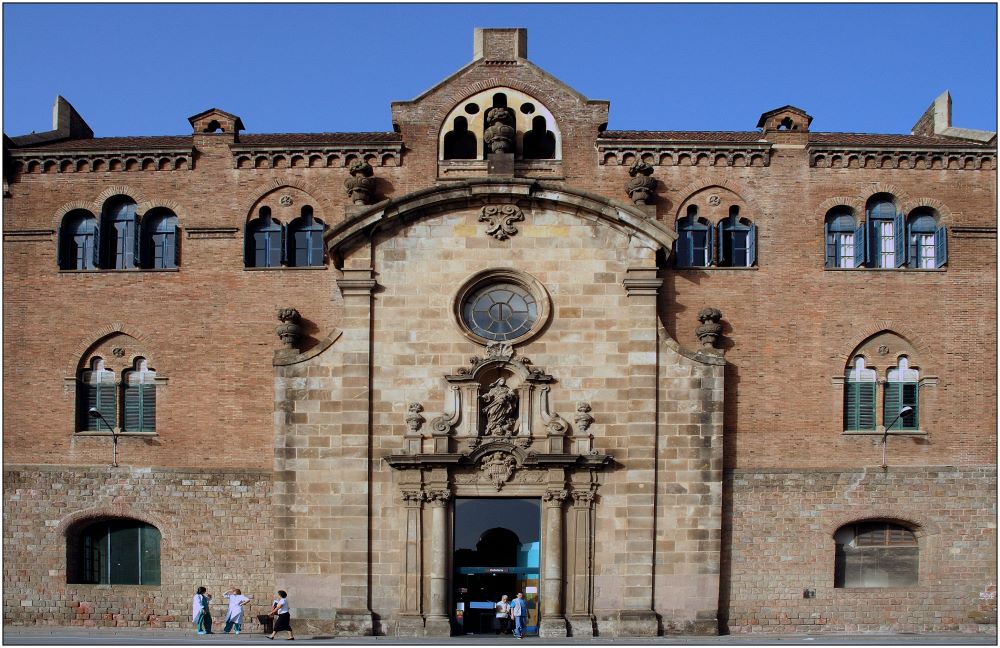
[500, 409]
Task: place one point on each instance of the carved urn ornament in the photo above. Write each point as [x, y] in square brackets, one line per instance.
[710, 328]
[499, 136]
[641, 186]
[413, 418]
[289, 331]
[361, 185]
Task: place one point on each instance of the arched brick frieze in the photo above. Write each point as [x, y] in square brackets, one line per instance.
[61, 212]
[320, 210]
[118, 511]
[117, 190]
[943, 211]
[686, 193]
[911, 520]
[886, 326]
[96, 337]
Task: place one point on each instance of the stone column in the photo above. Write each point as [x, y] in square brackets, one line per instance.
[637, 617]
[579, 604]
[438, 619]
[411, 621]
[552, 621]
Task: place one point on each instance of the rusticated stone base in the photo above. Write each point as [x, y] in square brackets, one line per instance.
[437, 627]
[637, 623]
[410, 625]
[705, 623]
[353, 623]
[581, 626]
[553, 627]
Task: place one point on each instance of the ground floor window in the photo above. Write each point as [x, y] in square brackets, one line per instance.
[875, 554]
[115, 552]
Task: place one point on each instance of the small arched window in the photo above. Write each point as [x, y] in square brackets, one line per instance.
[695, 241]
[139, 386]
[78, 248]
[305, 240]
[263, 241]
[875, 554]
[844, 239]
[886, 240]
[928, 242]
[737, 241]
[113, 552]
[539, 143]
[901, 390]
[859, 397]
[96, 389]
[120, 241]
[460, 142]
[160, 240]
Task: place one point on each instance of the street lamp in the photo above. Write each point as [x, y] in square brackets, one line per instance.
[906, 409]
[95, 413]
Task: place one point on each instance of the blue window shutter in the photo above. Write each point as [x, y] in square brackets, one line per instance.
[176, 248]
[752, 246]
[899, 235]
[95, 255]
[720, 228]
[913, 253]
[316, 247]
[860, 249]
[281, 245]
[682, 245]
[829, 247]
[248, 246]
[136, 260]
[709, 248]
[940, 247]
[872, 247]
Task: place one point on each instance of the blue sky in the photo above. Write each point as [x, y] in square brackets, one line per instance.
[143, 69]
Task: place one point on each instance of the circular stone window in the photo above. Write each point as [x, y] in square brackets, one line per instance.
[501, 306]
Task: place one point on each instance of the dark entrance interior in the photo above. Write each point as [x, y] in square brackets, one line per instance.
[496, 552]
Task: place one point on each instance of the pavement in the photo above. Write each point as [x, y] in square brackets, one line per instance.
[79, 636]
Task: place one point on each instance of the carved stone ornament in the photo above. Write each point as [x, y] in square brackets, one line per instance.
[555, 495]
[710, 327]
[583, 497]
[583, 419]
[438, 497]
[289, 331]
[499, 136]
[412, 496]
[118, 352]
[500, 409]
[361, 185]
[500, 219]
[641, 186]
[285, 201]
[498, 466]
[413, 418]
[714, 200]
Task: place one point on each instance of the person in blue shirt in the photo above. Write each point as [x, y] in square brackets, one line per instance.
[519, 612]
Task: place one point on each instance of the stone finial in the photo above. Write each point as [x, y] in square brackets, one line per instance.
[289, 331]
[641, 186]
[710, 328]
[413, 418]
[361, 185]
[499, 136]
[583, 419]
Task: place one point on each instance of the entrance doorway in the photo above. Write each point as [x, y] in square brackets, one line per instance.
[497, 548]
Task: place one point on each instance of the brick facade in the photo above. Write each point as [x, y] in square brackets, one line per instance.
[702, 497]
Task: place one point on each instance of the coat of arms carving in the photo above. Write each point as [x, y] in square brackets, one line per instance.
[498, 466]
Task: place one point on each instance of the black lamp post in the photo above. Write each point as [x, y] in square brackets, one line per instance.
[95, 413]
[906, 409]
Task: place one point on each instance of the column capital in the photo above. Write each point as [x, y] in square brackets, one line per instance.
[555, 497]
[583, 498]
[412, 497]
[438, 497]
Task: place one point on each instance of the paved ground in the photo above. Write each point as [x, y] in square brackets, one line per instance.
[35, 636]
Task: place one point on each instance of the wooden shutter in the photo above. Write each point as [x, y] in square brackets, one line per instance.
[280, 239]
[249, 247]
[899, 239]
[133, 408]
[136, 252]
[721, 228]
[709, 247]
[148, 392]
[316, 247]
[299, 245]
[940, 247]
[830, 247]
[682, 248]
[860, 247]
[102, 397]
[95, 252]
[859, 405]
[752, 246]
[176, 261]
[893, 402]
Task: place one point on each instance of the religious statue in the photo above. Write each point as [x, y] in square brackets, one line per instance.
[500, 409]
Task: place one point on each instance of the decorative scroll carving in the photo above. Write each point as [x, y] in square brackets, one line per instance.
[557, 496]
[413, 418]
[583, 419]
[500, 409]
[498, 466]
[501, 219]
[443, 424]
[710, 327]
[499, 136]
[554, 424]
[361, 185]
[583, 497]
[642, 185]
[289, 331]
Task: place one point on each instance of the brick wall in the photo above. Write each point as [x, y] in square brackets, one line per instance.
[215, 531]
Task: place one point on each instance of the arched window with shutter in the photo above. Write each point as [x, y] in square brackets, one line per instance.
[844, 244]
[886, 245]
[859, 396]
[928, 241]
[737, 241]
[77, 248]
[695, 241]
[264, 241]
[120, 241]
[160, 240]
[305, 240]
[139, 398]
[96, 389]
[901, 390]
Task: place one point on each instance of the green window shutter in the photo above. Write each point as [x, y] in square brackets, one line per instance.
[911, 420]
[133, 408]
[148, 421]
[893, 401]
[859, 406]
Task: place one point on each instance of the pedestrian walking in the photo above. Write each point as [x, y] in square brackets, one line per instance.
[282, 616]
[519, 612]
[201, 616]
[503, 615]
[234, 617]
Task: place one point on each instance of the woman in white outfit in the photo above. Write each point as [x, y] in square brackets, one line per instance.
[234, 618]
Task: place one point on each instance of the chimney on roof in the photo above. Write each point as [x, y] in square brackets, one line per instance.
[500, 44]
[936, 122]
[67, 122]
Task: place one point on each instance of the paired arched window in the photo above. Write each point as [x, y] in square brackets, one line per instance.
[695, 241]
[731, 243]
[900, 389]
[737, 241]
[886, 239]
[305, 240]
[533, 130]
[859, 396]
[113, 552]
[119, 240]
[128, 405]
[264, 241]
[875, 553]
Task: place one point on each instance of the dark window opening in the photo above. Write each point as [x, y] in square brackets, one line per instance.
[695, 241]
[78, 241]
[160, 240]
[538, 143]
[460, 143]
[119, 245]
[472, 108]
[305, 240]
[500, 100]
[737, 241]
[114, 552]
[264, 241]
[527, 108]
